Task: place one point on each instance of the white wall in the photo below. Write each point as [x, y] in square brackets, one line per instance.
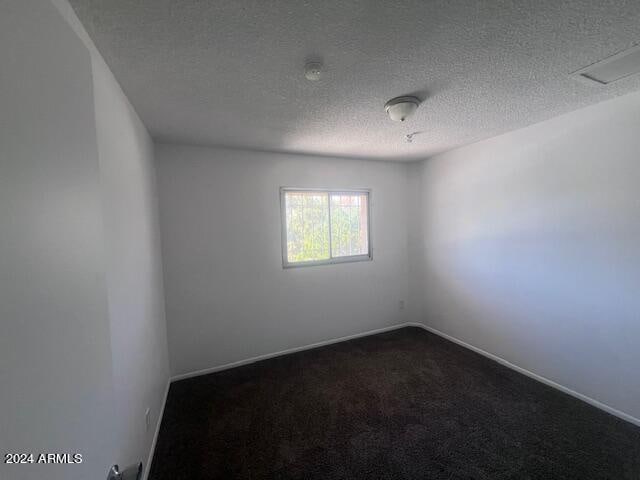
[133, 263]
[55, 361]
[227, 296]
[134, 269]
[531, 244]
[81, 283]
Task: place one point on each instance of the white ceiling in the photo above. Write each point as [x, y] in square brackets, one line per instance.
[230, 73]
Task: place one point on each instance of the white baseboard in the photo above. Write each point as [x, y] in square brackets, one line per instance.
[147, 468]
[535, 376]
[624, 416]
[247, 361]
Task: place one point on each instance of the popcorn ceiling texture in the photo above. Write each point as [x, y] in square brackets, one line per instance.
[230, 73]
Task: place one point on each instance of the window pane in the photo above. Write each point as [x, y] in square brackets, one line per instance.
[307, 226]
[349, 229]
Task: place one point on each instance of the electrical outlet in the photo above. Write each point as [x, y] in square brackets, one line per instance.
[147, 418]
[401, 304]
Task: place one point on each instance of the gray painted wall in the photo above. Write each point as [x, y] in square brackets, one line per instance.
[531, 249]
[227, 296]
[83, 351]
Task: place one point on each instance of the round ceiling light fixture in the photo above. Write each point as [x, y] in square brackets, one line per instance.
[401, 108]
[313, 71]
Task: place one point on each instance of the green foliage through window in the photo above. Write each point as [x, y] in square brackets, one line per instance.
[323, 225]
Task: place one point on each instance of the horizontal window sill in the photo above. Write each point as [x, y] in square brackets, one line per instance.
[330, 261]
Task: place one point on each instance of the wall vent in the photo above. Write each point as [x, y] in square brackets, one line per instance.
[611, 69]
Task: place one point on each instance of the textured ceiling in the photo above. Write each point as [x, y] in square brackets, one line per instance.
[230, 73]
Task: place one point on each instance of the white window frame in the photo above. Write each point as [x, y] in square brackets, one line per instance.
[331, 260]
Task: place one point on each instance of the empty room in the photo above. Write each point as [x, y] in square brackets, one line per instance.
[337, 239]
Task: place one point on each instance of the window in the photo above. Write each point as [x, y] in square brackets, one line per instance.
[324, 226]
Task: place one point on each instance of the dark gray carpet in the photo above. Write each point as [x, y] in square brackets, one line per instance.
[399, 405]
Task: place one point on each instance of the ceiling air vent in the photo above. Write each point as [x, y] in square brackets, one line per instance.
[611, 69]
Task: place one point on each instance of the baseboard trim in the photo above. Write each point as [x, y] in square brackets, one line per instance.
[152, 450]
[247, 361]
[602, 406]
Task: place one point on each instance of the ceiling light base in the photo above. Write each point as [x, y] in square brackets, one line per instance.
[401, 108]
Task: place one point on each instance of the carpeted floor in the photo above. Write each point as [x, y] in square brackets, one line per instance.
[404, 404]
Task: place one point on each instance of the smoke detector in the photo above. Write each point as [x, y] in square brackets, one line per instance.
[401, 108]
[313, 71]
